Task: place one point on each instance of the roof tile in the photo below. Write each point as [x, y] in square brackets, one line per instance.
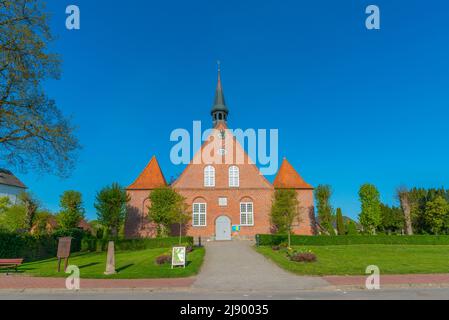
[150, 178]
[289, 178]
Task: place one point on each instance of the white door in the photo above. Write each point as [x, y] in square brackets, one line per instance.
[223, 228]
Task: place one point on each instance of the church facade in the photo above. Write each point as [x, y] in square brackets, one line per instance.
[226, 194]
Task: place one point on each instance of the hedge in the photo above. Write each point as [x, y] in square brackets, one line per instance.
[26, 246]
[269, 240]
[32, 248]
[134, 244]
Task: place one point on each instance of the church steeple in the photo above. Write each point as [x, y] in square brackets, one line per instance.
[219, 110]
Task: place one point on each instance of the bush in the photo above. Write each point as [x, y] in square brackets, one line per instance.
[37, 247]
[92, 244]
[31, 248]
[189, 249]
[272, 240]
[163, 259]
[276, 248]
[303, 257]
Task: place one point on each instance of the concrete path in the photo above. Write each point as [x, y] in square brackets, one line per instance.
[236, 266]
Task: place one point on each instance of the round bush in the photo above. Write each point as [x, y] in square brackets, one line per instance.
[163, 259]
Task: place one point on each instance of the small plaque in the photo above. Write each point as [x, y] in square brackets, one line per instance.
[178, 257]
[222, 201]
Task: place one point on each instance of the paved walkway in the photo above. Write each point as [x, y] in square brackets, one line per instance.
[236, 266]
[26, 282]
[391, 279]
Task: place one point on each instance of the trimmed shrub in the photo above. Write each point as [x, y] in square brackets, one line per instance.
[13, 245]
[91, 244]
[272, 240]
[163, 259]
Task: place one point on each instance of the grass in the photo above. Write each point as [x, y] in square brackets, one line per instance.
[129, 265]
[353, 259]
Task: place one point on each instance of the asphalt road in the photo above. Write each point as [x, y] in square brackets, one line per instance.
[388, 294]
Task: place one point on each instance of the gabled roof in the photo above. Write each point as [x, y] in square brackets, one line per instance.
[150, 178]
[9, 179]
[289, 178]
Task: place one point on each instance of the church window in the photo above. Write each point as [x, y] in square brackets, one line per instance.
[199, 215]
[234, 176]
[209, 176]
[246, 214]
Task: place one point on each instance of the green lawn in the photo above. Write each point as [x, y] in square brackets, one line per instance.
[353, 259]
[129, 265]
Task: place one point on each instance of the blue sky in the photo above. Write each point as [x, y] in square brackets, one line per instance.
[351, 105]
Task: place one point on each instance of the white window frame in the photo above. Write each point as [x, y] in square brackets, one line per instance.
[196, 211]
[209, 176]
[234, 176]
[246, 213]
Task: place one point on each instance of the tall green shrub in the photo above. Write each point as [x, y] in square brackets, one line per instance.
[369, 217]
[323, 194]
[340, 223]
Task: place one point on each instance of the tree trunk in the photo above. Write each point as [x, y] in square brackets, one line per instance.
[405, 205]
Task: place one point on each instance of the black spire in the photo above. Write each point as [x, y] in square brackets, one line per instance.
[219, 110]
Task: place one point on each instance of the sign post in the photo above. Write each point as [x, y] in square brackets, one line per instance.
[64, 244]
[178, 257]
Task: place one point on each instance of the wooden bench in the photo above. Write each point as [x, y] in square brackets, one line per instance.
[10, 263]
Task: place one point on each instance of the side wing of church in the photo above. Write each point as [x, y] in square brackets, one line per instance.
[227, 195]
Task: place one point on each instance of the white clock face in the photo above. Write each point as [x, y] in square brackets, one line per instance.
[221, 151]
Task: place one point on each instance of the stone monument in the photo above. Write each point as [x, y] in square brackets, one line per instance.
[110, 262]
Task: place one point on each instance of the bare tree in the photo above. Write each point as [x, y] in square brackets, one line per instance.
[404, 199]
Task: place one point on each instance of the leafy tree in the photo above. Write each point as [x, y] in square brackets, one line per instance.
[110, 203]
[30, 205]
[392, 219]
[436, 215]
[419, 198]
[165, 205]
[181, 217]
[323, 194]
[72, 211]
[98, 229]
[40, 222]
[14, 219]
[5, 203]
[340, 223]
[369, 217]
[284, 211]
[351, 228]
[33, 132]
[404, 199]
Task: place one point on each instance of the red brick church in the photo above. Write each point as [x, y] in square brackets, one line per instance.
[227, 195]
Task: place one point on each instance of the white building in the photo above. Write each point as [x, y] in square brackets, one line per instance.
[10, 186]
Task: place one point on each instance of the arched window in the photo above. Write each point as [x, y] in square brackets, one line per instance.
[209, 176]
[234, 176]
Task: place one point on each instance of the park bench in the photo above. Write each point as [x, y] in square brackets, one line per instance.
[10, 264]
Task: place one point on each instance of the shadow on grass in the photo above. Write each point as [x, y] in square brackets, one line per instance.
[88, 265]
[124, 267]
